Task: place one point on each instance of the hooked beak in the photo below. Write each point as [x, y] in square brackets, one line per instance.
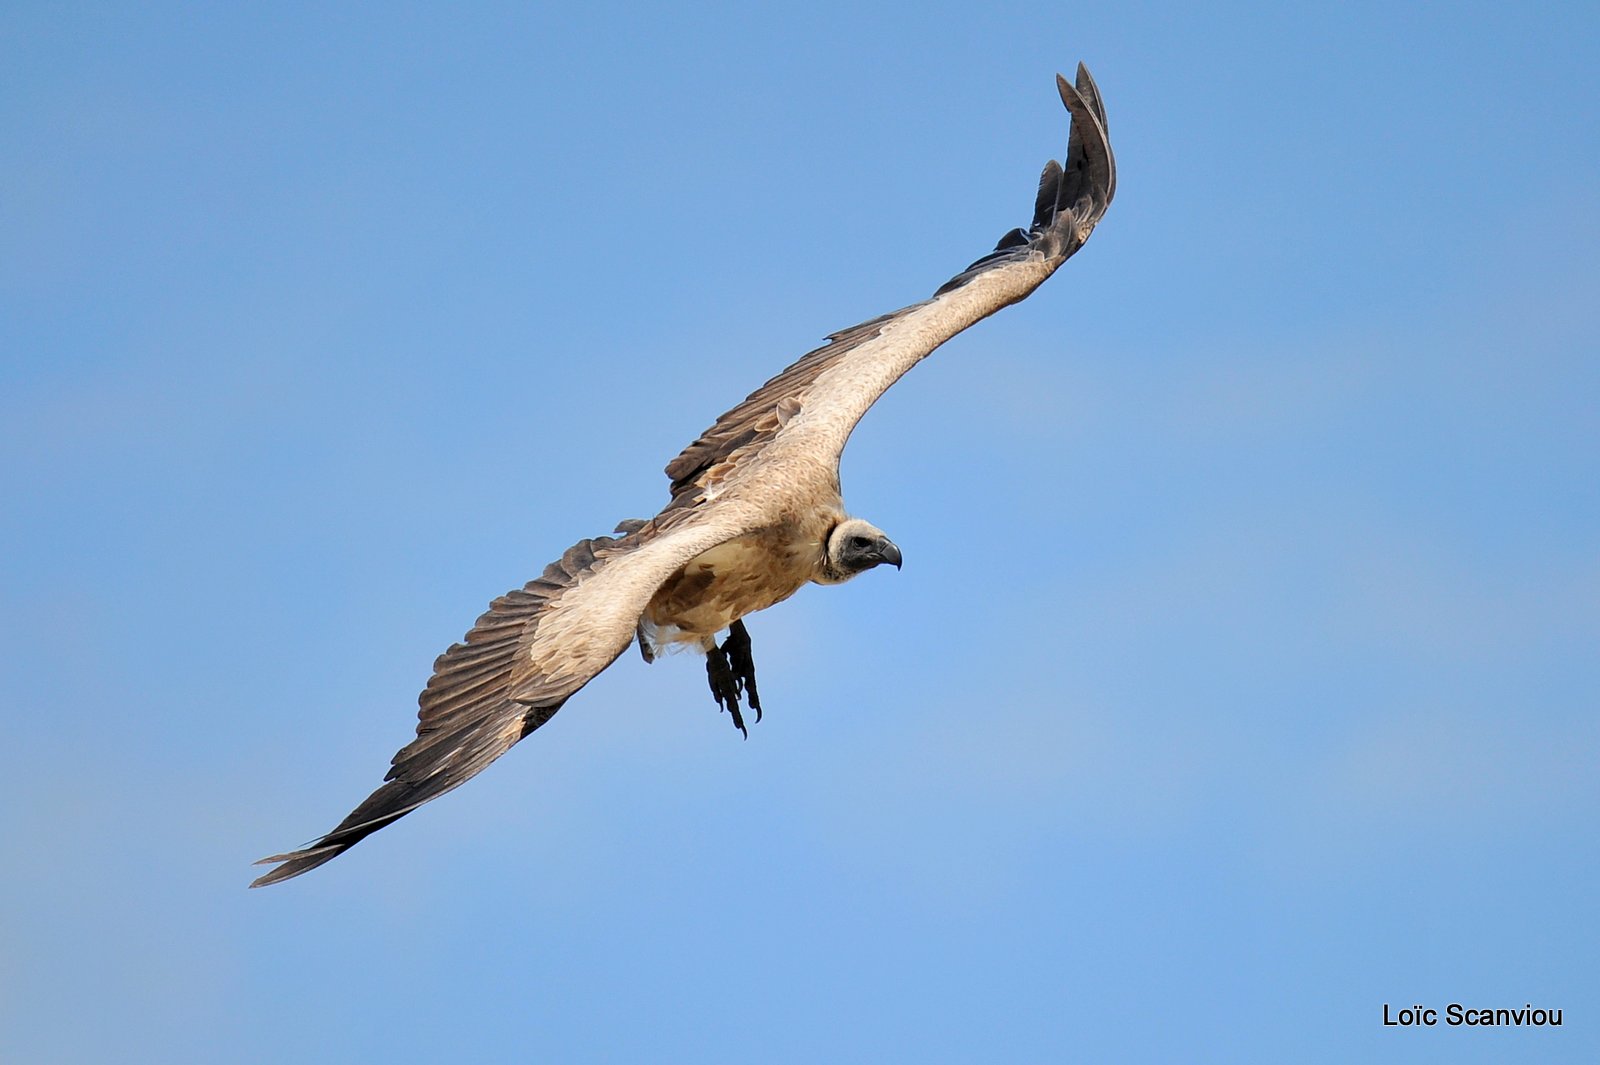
[888, 552]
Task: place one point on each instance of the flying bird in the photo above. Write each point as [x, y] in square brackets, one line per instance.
[755, 514]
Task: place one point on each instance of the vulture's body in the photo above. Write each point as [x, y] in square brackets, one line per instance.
[755, 515]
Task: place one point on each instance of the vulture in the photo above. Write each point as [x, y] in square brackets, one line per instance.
[755, 514]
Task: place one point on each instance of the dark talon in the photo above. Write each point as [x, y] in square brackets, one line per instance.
[732, 673]
[724, 685]
[737, 647]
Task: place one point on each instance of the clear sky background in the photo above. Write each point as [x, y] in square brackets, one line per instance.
[1241, 678]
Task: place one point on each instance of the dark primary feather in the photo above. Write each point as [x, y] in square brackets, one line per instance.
[1071, 198]
[1044, 205]
[1089, 152]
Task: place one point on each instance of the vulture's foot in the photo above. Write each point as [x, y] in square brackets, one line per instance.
[737, 648]
[732, 674]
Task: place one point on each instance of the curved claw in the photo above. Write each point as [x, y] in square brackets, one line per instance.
[732, 673]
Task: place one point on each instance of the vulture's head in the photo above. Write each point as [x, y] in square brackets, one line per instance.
[853, 547]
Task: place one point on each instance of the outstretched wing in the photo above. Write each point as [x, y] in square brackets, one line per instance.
[810, 408]
[526, 656]
[537, 646]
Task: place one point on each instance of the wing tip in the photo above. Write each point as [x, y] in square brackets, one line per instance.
[1088, 144]
[1082, 90]
[1065, 88]
[294, 863]
[1080, 188]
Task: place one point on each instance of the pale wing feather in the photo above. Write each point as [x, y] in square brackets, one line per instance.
[531, 651]
[805, 414]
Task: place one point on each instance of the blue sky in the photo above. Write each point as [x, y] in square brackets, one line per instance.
[1241, 677]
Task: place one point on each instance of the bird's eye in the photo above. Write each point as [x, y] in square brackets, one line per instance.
[859, 542]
